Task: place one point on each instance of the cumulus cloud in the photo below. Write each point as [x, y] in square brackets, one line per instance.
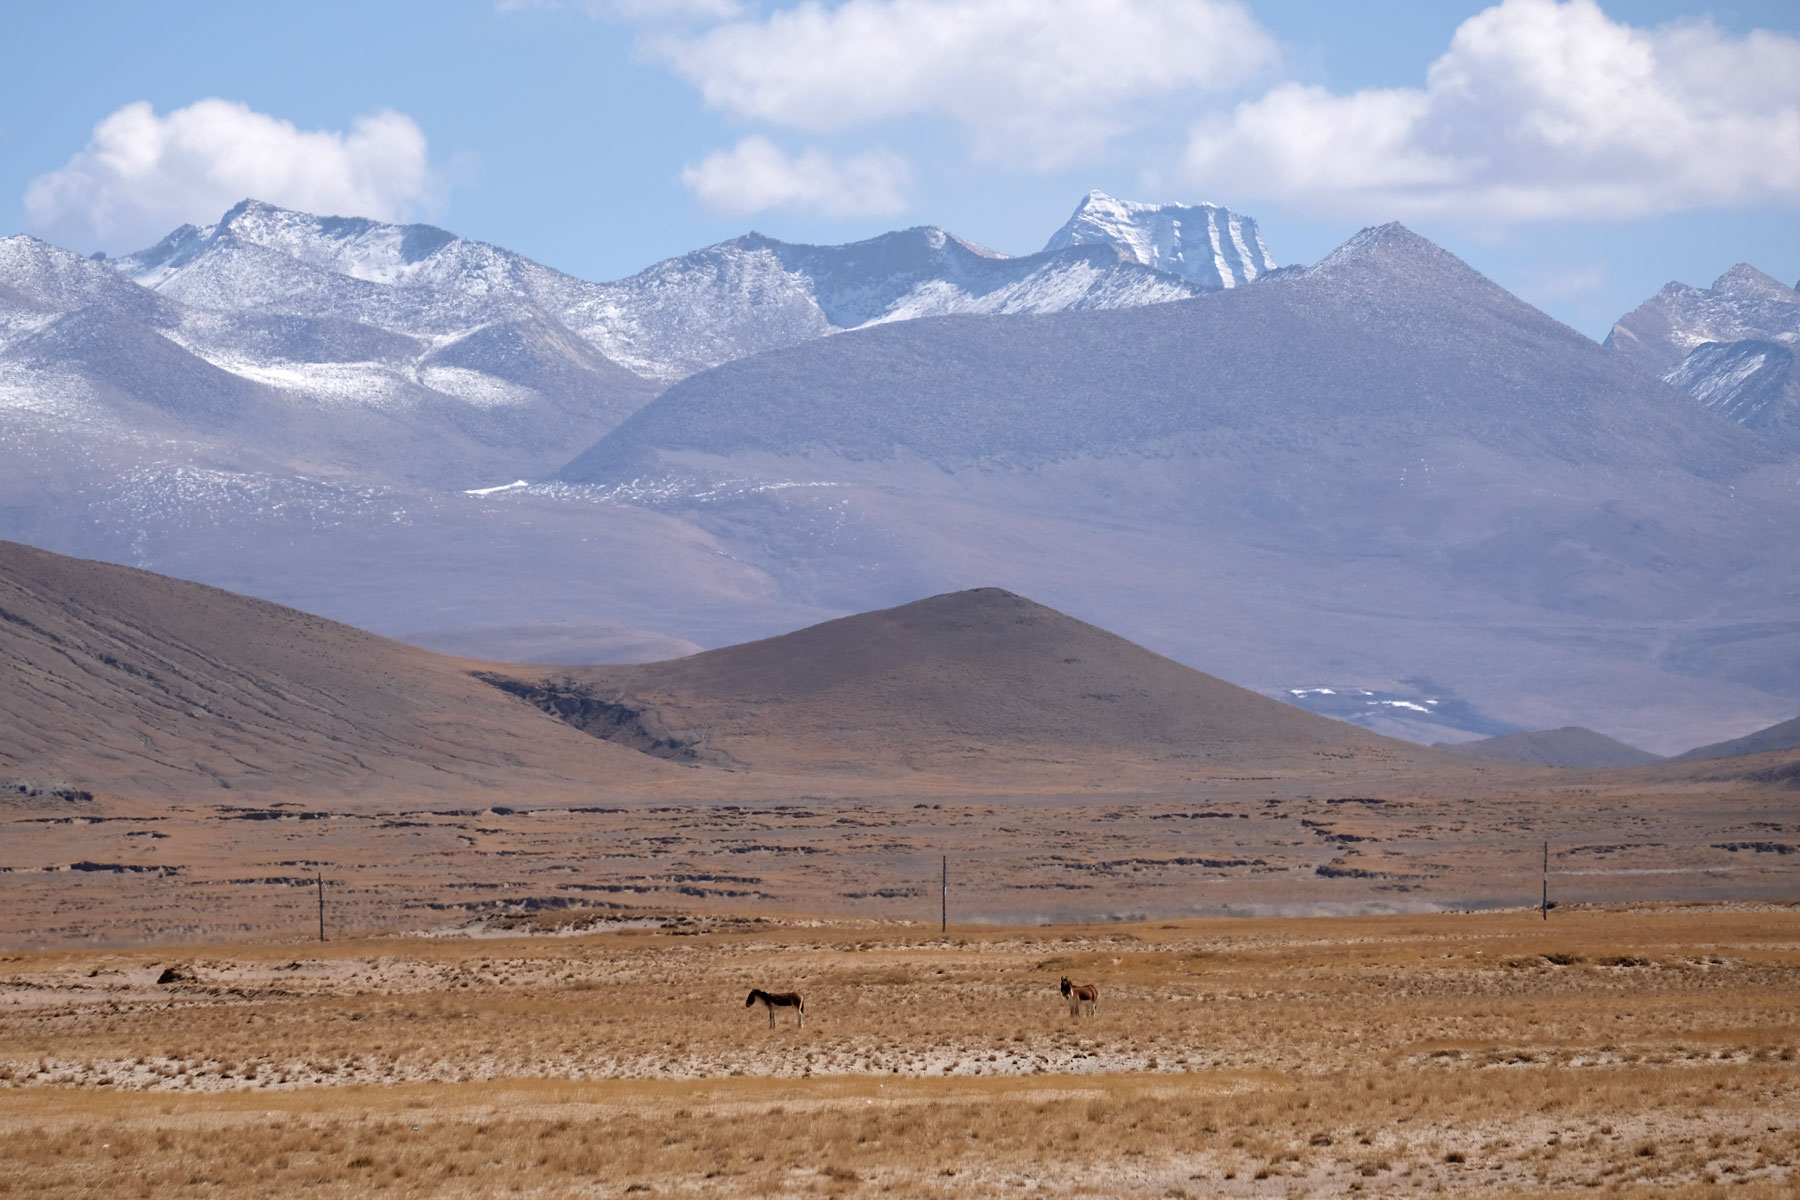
[141, 174]
[1540, 109]
[756, 174]
[1039, 82]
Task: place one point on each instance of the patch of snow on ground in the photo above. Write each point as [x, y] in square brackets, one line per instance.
[474, 387]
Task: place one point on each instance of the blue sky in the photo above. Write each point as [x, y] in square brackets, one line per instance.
[1581, 155]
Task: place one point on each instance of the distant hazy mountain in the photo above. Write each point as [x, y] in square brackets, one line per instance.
[1570, 746]
[1730, 346]
[1782, 736]
[1388, 335]
[1382, 467]
[1212, 246]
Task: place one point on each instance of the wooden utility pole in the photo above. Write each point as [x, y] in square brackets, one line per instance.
[1546, 881]
[319, 878]
[944, 898]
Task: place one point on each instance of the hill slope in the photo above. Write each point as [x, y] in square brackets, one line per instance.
[1571, 746]
[980, 679]
[131, 682]
[1784, 736]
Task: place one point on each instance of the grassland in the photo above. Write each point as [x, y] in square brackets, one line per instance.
[1649, 1047]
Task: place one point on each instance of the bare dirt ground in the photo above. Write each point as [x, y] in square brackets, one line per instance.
[1646, 1047]
[212, 868]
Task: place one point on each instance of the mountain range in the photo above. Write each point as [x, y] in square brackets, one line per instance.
[1381, 469]
[1383, 459]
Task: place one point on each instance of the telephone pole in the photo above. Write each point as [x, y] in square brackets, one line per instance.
[319, 878]
[1546, 881]
[944, 897]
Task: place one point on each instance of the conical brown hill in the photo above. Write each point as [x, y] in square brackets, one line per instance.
[118, 680]
[978, 679]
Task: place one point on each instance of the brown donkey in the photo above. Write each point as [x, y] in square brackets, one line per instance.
[1079, 996]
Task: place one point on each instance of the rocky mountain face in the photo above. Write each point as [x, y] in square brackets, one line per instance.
[1383, 468]
[1210, 246]
[1730, 346]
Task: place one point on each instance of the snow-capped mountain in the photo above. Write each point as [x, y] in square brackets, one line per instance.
[676, 317]
[755, 293]
[351, 347]
[1205, 244]
[291, 386]
[1730, 346]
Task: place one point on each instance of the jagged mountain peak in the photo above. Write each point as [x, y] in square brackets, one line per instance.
[1730, 346]
[1206, 243]
[357, 247]
[1745, 282]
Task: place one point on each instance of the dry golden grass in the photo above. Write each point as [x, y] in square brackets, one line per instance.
[1495, 1053]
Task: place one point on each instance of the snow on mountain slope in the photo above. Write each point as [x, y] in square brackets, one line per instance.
[1209, 245]
[47, 277]
[406, 353]
[755, 293]
[678, 316]
[1730, 346]
[1741, 304]
[253, 354]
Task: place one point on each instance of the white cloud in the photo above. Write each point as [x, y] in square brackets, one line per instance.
[1538, 110]
[141, 174]
[756, 174]
[1041, 82]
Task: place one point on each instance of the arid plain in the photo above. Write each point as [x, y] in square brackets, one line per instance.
[1634, 1048]
[547, 891]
